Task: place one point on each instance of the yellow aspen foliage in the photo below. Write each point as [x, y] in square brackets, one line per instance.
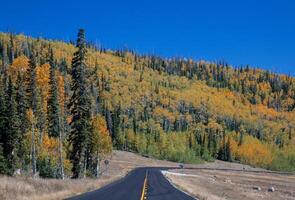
[19, 65]
[265, 87]
[164, 113]
[32, 128]
[130, 140]
[42, 81]
[233, 146]
[49, 144]
[165, 101]
[101, 140]
[50, 149]
[214, 126]
[254, 152]
[31, 116]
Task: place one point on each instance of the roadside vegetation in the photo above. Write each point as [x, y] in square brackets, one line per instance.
[29, 188]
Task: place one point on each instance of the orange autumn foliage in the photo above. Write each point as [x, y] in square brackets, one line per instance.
[101, 140]
[49, 144]
[164, 113]
[19, 65]
[233, 146]
[254, 152]
[42, 80]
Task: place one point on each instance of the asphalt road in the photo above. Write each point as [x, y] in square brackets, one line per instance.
[130, 188]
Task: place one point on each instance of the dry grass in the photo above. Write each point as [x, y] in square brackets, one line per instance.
[26, 188]
[209, 184]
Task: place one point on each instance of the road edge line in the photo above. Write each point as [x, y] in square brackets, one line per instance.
[178, 188]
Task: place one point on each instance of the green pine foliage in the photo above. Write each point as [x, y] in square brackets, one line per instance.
[4, 169]
[53, 104]
[80, 107]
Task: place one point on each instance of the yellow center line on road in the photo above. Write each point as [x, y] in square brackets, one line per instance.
[144, 188]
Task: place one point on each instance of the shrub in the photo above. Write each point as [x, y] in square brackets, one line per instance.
[46, 168]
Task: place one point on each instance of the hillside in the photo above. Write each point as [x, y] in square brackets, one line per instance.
[174, 109]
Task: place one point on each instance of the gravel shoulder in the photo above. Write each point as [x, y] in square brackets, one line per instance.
[222, 180]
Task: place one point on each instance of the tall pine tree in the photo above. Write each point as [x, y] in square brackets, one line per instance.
[80, 107]
[54, 113]
[21, 112]
[3, 128]
[53, 104]
[13, 132]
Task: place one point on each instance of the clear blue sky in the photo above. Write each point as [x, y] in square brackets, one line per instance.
[256, 32]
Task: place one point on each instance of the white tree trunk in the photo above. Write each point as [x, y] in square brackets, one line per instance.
[33, 151]
[61, 165]
[61, 158]
[97, 166]
[85, 166]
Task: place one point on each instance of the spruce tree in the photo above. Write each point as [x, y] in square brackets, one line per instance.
[54, 112]
[13, 131]
[4, 169]
[3, 128]
[228, 151]
[80, 107]
[2, 111]
[21, 113]
[53, 105]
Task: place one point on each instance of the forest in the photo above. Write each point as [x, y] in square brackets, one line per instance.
[64, 106]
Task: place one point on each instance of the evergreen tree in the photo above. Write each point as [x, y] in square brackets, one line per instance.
[21, 113]
[242, 132]
[222, 153]
[13, 131]
[228, 151]
[116, 125]
[3, 118]
[109, 121]
[3, 129]
[54, 113]
[4, 58]
[80, 107]
[53, 105]
[3, 163]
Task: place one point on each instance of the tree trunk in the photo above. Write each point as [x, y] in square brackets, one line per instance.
[33, 151]
[61, 158]
[85, 166]
[40, 137]
[61, 165]
[97, 166]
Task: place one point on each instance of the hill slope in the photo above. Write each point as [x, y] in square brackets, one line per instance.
[177, 109]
